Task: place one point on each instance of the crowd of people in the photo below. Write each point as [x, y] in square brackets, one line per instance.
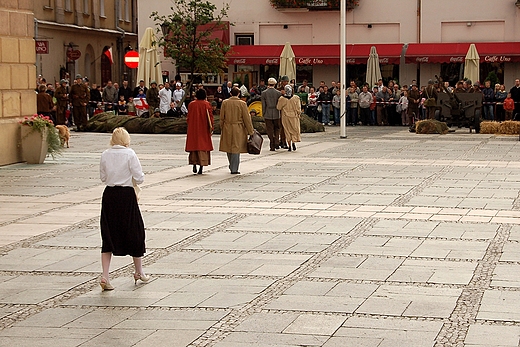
[392, 104]
[73, 103]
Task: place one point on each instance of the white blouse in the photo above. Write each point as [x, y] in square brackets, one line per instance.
[119, 165]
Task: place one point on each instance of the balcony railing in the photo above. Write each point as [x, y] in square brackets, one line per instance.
[313, 5]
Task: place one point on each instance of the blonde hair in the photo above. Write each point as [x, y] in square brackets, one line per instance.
[120, 137]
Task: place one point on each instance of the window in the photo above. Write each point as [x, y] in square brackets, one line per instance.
[127, 10]
[86, 6]
[68, 6]
[49, 4]
[102, 8]
[247, 39]
[120, 11]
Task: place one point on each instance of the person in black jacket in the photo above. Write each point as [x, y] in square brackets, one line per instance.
[142, 87]
[325, 100]
[515, 95]
[126, 91]
[95, 97]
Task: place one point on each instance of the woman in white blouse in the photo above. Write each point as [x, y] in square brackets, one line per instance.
[122, 226]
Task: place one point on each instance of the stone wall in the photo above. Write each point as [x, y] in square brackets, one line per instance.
[17, 74]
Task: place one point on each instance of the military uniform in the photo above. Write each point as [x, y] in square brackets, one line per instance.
[80, 96]
[62, 99]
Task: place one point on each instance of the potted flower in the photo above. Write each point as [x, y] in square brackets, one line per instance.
[39, 138]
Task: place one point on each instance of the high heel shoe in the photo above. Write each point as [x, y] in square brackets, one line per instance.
[138, 276]
[105, 285]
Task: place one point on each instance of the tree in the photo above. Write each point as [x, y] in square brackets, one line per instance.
[186, 37]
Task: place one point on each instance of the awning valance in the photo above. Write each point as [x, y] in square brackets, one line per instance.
[445, 52]
[313, 54]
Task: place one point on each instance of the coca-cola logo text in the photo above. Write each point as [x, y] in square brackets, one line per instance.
[456, 59]
[272, 61]
[383, 60]
[351, 61]
[422, 59]
[239, 61]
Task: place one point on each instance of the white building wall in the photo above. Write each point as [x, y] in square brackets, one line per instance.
[390, 22]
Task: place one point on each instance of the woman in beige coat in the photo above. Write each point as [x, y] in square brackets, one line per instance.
[291, 108]
[235, 125]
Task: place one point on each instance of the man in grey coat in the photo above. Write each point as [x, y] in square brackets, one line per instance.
[271, 114]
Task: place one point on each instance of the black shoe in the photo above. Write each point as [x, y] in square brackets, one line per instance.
[195, 168]
[285, 147]
[235, 173]
[200, 170]
[272, 149]
[290, 149]
[293, 147]
[277, 147]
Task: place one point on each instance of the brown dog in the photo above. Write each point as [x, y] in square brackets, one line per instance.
[64, 134]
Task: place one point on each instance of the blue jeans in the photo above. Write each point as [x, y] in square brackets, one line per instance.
[337, 112]
[488, 112]
[325, 113]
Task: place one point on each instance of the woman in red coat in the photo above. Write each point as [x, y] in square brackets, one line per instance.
[200, 126]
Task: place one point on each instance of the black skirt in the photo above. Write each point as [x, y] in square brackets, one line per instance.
[122, 226]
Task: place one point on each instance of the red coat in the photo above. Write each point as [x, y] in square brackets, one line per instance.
[199, 136]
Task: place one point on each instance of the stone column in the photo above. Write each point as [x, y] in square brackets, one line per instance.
[18, 74]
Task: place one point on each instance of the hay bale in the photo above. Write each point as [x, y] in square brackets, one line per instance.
[509, 127]
[431, 126]
[488, 127]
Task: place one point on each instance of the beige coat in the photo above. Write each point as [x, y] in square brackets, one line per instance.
[291, 110]
[235, 125]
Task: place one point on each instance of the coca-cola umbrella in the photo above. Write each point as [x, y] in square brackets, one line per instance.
[373, 69]
[472, 64]
[149, 68]
[288, 62]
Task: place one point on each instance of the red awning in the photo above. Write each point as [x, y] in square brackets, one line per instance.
[389, 53]
[218, 31]
[456, 52]
[255, 55]
[313, 54]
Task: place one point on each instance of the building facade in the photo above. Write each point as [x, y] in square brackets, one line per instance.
[72, 36]
[17, 57]
[391, 27]
[57, 39]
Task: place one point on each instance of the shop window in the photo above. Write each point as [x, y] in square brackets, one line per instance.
[452, 72]
[241, 40]
[304, 72]
[488, 69]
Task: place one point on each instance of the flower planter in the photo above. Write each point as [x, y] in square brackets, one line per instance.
[34, 145]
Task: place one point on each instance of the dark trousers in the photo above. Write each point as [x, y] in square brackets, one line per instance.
[365, 115]
[382, 117]
[61, 119]
[80, 116]
[282, 142]
[272, 126]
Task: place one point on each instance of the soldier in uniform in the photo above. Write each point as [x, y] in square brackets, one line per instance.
[152, 96]
[79, 96]
[62, 99]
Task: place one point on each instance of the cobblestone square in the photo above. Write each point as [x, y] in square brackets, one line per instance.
[382, 239]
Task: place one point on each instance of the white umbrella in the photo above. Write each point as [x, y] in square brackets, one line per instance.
[149, 68]
[373, 69]
[288, 62]
[472, 64]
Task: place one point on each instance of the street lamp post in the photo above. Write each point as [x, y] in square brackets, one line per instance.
[343, 68]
